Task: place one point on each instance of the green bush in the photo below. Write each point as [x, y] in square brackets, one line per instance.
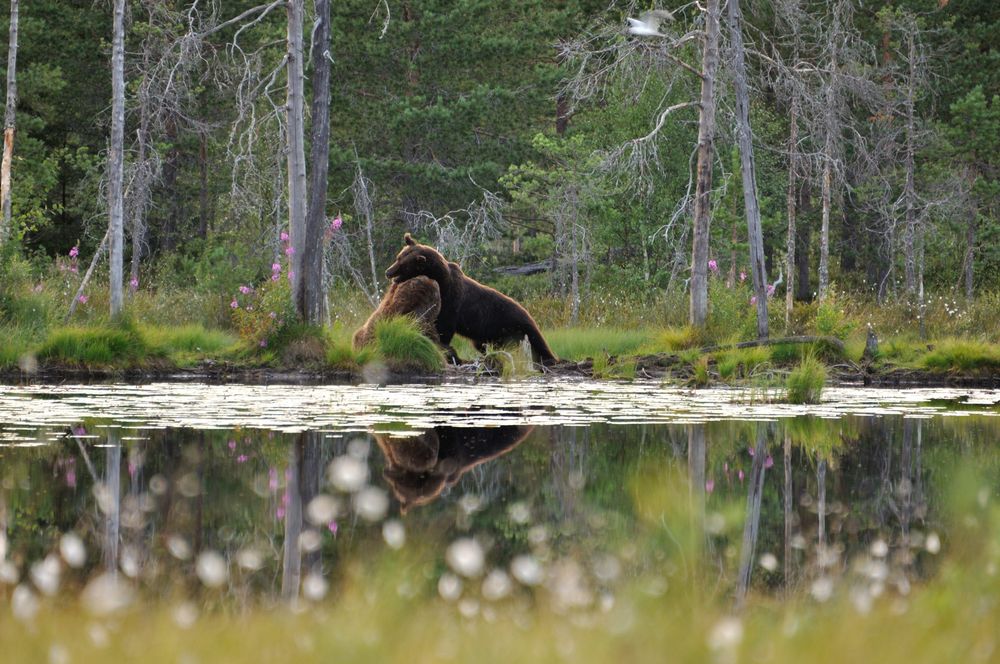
[805, 382]
[264, 314]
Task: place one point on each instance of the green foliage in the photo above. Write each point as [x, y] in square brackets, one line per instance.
[805, 382]
[16, 344]
[830, 320]
[401, 344]
[700, 376]
[962, 355]
[742, 362]
[263, 315]
[187, 343]
[730, 312]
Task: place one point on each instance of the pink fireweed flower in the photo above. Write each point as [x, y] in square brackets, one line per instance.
[280, 513]
[770, 290]
[234, 304]
[743, 276]
[741, 475]
[275, 267]
[232, 444]
[289, 250]
[263, 343]
[133, 283]
[710, 486]
[74, 269]
[241, 458]
[272, 479]
[751, 451]
[71, 478]
[275, 276]
[753, 300]
[74, 252]
[332, 527]
[82, 299]
[769, 461]
[291, 275]
[713, 266]
[336, 223]
[245, 290]
[284, 236]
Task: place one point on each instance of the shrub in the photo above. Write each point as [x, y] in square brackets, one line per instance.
[263, 315]
[805, 382]
[830, 320]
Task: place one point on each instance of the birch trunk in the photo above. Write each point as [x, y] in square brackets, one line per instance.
[790, 200]
[296, 156]
[311, 295]
[755, 236]
[8, 126]
[831, 130]
[703, 187]
[116, 163]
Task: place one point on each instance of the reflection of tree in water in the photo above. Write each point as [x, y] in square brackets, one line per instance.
[420, 468]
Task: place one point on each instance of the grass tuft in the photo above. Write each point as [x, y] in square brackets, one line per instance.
[104, 346]
[962, 355]
[580, 343]
[402, 345]
[805, 382]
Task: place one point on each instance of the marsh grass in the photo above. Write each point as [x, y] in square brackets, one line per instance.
[187, 344]
[742, 362]
[401, 344]
[605, 367]
[962, 355]
[111, 345]
[16, 344]
[580, 343]
[805, 382]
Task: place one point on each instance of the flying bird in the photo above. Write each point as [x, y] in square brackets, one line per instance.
[648, 23]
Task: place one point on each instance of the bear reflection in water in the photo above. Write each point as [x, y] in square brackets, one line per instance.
[420, 468]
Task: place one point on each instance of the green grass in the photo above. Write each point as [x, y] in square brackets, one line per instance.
[16, 344]
[805, 382]
[189, 343]
[99, 347]
[579, 343]
[962, 355]
[401, 344]
[741, 362]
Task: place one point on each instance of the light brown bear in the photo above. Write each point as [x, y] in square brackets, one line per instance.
[419, 298]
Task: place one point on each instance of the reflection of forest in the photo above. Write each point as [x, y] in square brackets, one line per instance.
[814, 495]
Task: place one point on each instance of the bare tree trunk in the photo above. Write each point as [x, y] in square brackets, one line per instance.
[696, 458]
[311, 294]
[296, 155]
[909, 190]
[830, 131]
[793, 150]
[8, 126]
[203, 198]
[703, 187]
[751, 204]
[970, 250]
[824, 232]
[116, 159]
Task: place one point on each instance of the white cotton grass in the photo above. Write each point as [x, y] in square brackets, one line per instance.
[185, 615]
[322, 509]
[72, 550]
[24, 603]
[212, 569]
[106, 594]
[250, 559]
[9, 574]
[449, 587]
[178, 547]
[726, 634]
[527, 570]
[348, 473]
[465, 556]
[933, 543]
[45, 574]
[371, 503]
[496, 585]
[394, 534]
[315, 587]
[769, 562]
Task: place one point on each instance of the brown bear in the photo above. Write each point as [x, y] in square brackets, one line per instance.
[481, 313]
[420, 468]
[419, 298]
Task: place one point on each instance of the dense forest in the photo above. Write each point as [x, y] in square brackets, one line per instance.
[546, 146]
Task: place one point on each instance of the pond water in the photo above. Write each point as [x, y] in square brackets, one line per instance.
[478, 496]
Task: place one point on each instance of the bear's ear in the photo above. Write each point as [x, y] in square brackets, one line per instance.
[408, 239]
[421, 258]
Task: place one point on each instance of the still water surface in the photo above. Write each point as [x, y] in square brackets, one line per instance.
[244, 496]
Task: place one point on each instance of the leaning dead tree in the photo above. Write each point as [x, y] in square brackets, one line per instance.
[9, 117]
[602, 58]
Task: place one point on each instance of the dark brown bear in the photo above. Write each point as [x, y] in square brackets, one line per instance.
[481, 313]
[419, 298]
[420, 468]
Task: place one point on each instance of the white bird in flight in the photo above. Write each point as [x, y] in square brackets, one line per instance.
[648, 23]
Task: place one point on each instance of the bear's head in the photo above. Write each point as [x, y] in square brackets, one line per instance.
[414, 260]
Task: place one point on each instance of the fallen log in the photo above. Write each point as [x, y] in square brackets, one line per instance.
[526, 269]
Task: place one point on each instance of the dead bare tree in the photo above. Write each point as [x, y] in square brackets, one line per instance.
[310, 299]
[295, 128]
[116, 157]
[600, 56]
[748, 169]
[9, 118]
